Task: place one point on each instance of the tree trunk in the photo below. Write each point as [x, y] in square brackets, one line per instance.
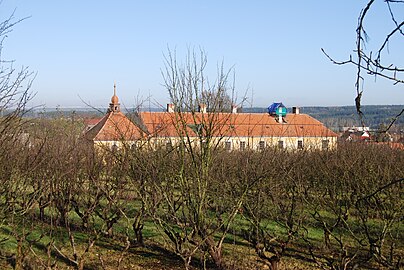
[19, 258]
[274, 262]
[80, 265]
[42, 213]
[215, 253]
[137, 229]
[42, 205]
[62, 221]
[327, 238]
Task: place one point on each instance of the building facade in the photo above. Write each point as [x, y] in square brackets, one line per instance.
[233, 130]
[114, 129]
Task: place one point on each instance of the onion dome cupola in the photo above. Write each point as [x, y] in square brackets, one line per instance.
[114, 106]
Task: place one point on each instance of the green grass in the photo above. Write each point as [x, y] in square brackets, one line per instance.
[236, 249]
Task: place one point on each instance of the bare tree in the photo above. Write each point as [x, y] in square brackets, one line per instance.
[351, 198]
[372, 62]
[14, 84]
[182, 178]
[15, 93]
[276, 198]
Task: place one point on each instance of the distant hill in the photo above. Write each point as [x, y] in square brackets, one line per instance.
[374, 115]
[336, 117]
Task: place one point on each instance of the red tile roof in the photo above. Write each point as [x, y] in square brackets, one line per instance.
[91, 121]
[236, 125]
[393, 145]
[114, 126]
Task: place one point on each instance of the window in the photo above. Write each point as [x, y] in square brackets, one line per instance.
[204, 144]
[280, 144]
[324, 144]
[242, 146]
[299, 144]
[227, 146]
[261, 145]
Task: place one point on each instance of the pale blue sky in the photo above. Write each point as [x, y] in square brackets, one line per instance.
[79, 48]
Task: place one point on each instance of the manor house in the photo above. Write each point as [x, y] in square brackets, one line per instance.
[232, 130]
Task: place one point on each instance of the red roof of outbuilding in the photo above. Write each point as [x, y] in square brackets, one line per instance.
[114, 126]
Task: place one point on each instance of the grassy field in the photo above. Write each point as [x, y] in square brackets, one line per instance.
[113, 252]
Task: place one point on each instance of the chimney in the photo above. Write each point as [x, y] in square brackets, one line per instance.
[234, 109]
[296, 110]
[170, 108]
[202, 108]
[280, 119]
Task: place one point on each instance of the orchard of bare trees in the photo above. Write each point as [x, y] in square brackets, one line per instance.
[65, 204]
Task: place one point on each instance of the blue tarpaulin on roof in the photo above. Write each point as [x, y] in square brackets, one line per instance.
[274, 106]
